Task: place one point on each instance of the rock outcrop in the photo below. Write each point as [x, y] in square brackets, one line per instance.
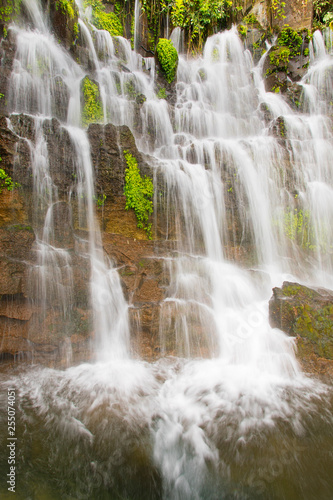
[306, 314]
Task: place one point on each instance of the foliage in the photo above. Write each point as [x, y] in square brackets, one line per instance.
[67, 7]
[168, 58]
[242, 30]
[6, 181]
[277, 8]
[291, 39]
[298, 227]
[320, 9]
[8, 10]
[280, 57]
[139, 192]
[251, 20]
[100, 200]
[161, 94]
[103, 20]
[92, 108]
[199, 18]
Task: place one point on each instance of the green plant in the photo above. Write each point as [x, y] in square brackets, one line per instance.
[279, 57]
[100, 200]
[242, 30]
[103, 20]
[6, 181]
[298, 227]
[320, 9]
[92, 108]
[9, 9]
[291, 39]
[168, 58]
[277, 8]
[161, 94]
[139, 192]
[67, 7]
[251, 20]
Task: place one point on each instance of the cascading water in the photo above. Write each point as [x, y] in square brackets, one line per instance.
[242, 424]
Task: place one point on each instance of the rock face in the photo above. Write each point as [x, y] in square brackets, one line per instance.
[306, 314]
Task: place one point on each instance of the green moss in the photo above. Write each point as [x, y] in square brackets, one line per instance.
[252, 21]
[139, 192]
[20, 227]
[316, 327]
[168, 58]
[92, 107]
[298, 227]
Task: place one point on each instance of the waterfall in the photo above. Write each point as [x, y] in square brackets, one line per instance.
[137, 11]
[229, 414]
[44, 75]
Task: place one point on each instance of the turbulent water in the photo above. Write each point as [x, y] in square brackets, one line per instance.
[244, 423]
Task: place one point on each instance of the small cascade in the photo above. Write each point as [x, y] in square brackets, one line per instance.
[137, 12]
[45, 82]
[109, 306]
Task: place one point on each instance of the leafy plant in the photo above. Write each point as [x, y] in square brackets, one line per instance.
[6, 181]
[103, 20]
[161, 94]
[277, 8]
[168, 58]
[139, 192]
[100, 200]
[67, 7]
[280, 57]
[92, 109]
[291, 39]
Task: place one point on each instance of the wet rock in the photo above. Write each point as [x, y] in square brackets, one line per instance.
[64, 18]
[307, 314]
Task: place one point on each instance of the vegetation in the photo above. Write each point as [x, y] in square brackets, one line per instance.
[168, 58]
[277, 8]
[322, 13]
[6, 181]
[139, 193]
[298, 227]
[103, 20]
[92, 108]
[280, 58]
[291, 39]
[67, 7]
[9, 9]
[161, 94]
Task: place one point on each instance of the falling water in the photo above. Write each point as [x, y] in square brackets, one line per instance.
[244, 423]
[137, 11]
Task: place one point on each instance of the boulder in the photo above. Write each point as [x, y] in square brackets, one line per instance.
[307, 314]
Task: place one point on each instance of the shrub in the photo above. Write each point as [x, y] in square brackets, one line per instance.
[139, 191]
[168, 58]
[92, 108]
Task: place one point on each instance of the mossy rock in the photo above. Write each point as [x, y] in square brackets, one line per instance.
[305, 313]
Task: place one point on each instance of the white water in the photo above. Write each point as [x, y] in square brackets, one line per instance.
[197, 417]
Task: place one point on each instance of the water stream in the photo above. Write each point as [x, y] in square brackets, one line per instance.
[245, 423]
